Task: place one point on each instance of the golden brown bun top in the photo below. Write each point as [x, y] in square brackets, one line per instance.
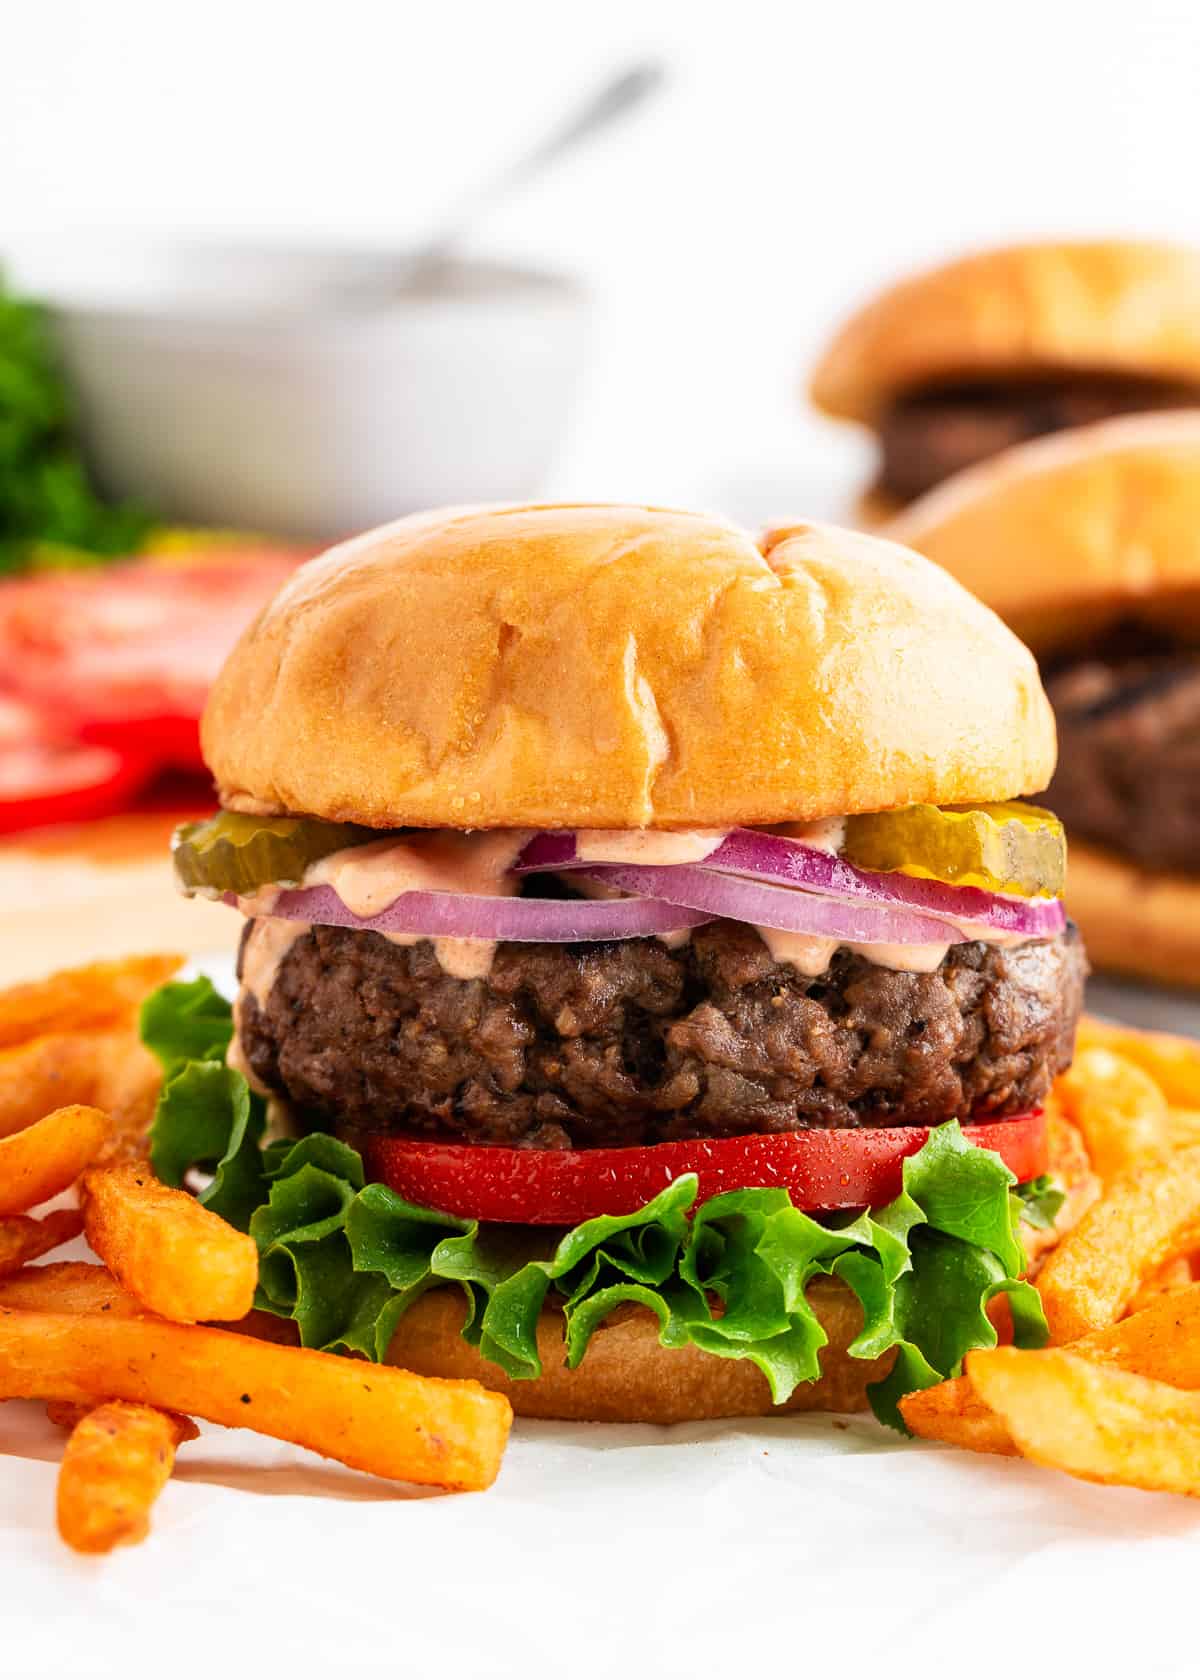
[1123, 307]
[620, 667]
[1063, 535]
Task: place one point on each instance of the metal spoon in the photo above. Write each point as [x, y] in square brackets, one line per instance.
[615, 99]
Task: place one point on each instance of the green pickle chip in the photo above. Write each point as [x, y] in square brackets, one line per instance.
[232, 853]
[1010, 848]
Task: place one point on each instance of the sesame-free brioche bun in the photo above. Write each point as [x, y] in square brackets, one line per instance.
[1135, 921]
[627, 1376]
[1090, 307]
[614, 667]
[1065, 534]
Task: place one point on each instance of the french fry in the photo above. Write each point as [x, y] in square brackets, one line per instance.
[1183, 1127]
[1170, 1277]
[69, 1286]
[1120, 1110]
[114, 1467]
[46, 1158]
[178, 1259]
[127, 1082]
[81, 998]
[1161, 1342]
[52, 1072]
[23, 1239]
[1147, 1216]
[951, 1411]
[1172, 1062]
[1092, 1420]
[374, 1418]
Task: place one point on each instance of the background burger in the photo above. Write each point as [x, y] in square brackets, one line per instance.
[1089, 546]
[633, 913]
[953, 365]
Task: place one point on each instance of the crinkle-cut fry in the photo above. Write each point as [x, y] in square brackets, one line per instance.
[951, 1411]
[374, 1418]
[78, 998]
[115, 1464]
[1118, 1107]
[23, 1239]
[1146, 1216]
[176, 1257]
[46, 1158]
[1171, 1061]
[69, 1286]
[1093, 1420]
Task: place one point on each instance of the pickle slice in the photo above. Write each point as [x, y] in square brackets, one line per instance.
[1009, 848]
[237, 854]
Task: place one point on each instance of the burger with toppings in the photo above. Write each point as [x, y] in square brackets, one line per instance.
[649, 988]
[954, 365]
[1089, 545]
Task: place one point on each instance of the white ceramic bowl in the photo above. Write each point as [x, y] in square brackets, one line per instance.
[236, 386]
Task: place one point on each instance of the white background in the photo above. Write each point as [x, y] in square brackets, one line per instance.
[801, 153]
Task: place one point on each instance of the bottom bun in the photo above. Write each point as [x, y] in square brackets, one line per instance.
[627, 1376]
[1135, 922]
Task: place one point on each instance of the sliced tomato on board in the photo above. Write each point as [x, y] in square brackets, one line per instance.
[48, 782]
[124, 656]
[823, 1170]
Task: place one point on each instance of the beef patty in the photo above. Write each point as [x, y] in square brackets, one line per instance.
[1128, 772]
[631, 1043]
[928, 434]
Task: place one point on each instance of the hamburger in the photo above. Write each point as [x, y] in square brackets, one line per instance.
[651, 980]
[996, 348]
[1089, 546]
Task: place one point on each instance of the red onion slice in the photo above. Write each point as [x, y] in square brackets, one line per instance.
[743, 900]
[790, 863]
[440, 915]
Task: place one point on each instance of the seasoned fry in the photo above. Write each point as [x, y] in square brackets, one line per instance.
[115, 1465]
[69, 1286]
[64, 1414]
[373, 1418]
[1117, 1106]
[181, 1261]
[1147, 1216]
[1093, 1420]
[81, 998]
[51, 1072]
[953, 1412]
[23, 1239]
[1172, 1062]
[47, 1157]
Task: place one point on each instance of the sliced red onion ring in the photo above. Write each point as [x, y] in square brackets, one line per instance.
[790, 863]
[440, 915]
[743, 900]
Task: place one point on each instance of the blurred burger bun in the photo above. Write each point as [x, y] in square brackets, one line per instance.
[620, 667]
[1097, 306]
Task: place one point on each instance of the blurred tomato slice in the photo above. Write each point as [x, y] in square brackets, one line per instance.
[124, 657]
[45, 782]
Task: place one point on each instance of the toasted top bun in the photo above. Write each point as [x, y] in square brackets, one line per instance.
[1093, 307]
[618, 667]
[1068, 533]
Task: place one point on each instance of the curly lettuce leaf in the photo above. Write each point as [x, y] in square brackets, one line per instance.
[345, 1259]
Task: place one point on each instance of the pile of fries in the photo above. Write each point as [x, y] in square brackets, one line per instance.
[126, 1353]
[1115, 1398]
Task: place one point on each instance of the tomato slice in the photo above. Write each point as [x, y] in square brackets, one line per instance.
[823, 1170]
[43, 783]
[125, 655]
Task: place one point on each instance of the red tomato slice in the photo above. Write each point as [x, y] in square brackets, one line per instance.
[44, 783]
[823, 1170]
[125, 655]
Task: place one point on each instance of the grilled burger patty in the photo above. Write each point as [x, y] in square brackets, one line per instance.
[926, 435]
[1128, 772]
[570, 1046]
